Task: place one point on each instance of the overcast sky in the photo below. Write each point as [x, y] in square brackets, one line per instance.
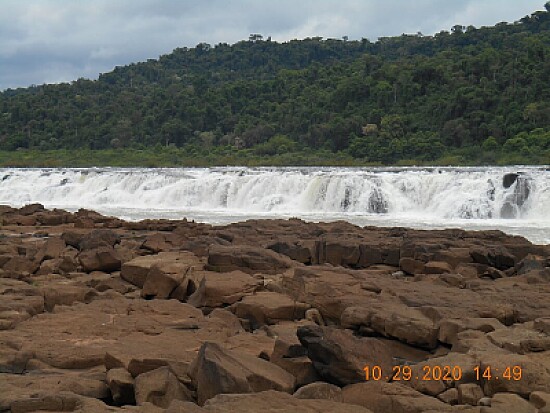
[48, 41]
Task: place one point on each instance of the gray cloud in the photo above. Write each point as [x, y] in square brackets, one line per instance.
[48, 41]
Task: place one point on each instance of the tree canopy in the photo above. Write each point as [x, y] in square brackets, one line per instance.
[477, 92]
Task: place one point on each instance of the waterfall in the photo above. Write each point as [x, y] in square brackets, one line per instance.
[515, 194]
[445, 193]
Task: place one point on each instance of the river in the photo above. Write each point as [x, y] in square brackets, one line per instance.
[515, 199]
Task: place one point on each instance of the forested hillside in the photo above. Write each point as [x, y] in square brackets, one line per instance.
[468, 95]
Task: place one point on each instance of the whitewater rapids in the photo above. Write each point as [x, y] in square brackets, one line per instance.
[469, 198]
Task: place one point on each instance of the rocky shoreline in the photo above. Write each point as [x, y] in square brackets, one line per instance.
[102, 315]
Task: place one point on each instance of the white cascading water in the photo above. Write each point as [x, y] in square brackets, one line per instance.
[471, 198]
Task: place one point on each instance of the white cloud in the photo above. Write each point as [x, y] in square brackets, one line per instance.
[102, 53]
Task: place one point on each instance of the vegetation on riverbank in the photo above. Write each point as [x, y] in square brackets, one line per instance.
[229, 156]
[469, 96]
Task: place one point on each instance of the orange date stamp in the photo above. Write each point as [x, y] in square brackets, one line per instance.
[445, 373]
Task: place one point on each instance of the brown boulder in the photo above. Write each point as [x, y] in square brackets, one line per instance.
[228, 319]
[437, 267]
[540, 399]
[543, 325]
[221, 289]
[383, 397]
[531, 263]
[296, 250]
[509, 403]
[330, 290]
[160, 387]
[66, 293]
[498, 257]
[99, 238]
[411, 266]
[269, 308]
[163, 278]
[201, 244]
[432, 378]
[164, 241]
[136, 270]
[290, 355]
[50, 267]
[31, 209]
[449, 396]
[216, 371]
[339, 357]
[394, 320]
[449, 328]
[534, 373]
[109, 282]
[319, 390]
[469, 393]
[23, 220]
[246, 258]
[20, 265]
[73, 237]
[520, 339]
[104, 259]
[68, 264]
[370, 254]
[493, 273]
[340, 252]
[121, 384]
[52, 248]
[156, 243]
[53, 218]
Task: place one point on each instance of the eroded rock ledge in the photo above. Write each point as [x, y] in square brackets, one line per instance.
[102, 315]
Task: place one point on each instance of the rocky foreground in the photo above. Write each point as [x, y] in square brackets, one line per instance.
[101, 315]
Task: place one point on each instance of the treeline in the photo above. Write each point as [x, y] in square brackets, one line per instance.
[472, 94]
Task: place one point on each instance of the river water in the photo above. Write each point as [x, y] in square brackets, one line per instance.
[515, 199]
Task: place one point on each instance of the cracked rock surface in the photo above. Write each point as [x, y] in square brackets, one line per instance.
[102, 315]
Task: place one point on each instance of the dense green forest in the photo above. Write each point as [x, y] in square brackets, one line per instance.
[471, 95]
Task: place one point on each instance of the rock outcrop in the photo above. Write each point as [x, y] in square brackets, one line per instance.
[219, 371]
[101, 315]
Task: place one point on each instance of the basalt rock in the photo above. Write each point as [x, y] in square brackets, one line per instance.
[509, 179]
[96, 311]
[298, 251]
[100, 259]
[269, 308]
[247, 259]
[160, 387]
[99, 238]
[121, 384]
[499, 258]
[339, 357]
[217, 371]
[514, 201]
[221, 289]
[164, 278]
